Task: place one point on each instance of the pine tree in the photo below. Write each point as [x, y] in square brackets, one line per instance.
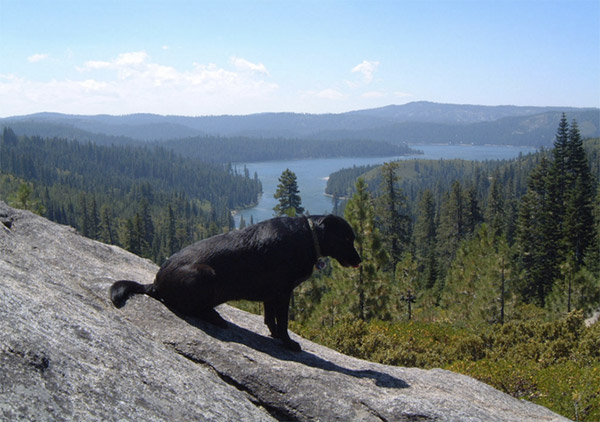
[425, 235]
[574, 289]
[288, 195]
[557, 184]
[556, 217]
[85, 225]
[452, 228]
[147, 229]
[128, 238]
[472, 214]
[370, 297]
[106, 234]
[476, 285]
[171, 244]
[578, 198]
[393, 221]
[494, 213]
[536, 237]
[94, 220]
[24, 195]
[9, 137]
[138, 242]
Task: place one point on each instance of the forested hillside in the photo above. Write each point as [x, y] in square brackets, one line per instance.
[487, 268]
[413, 123]
[210, 148]
[149, 200]
[244, 149]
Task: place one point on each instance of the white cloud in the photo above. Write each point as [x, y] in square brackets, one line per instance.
[132, 82]
[367, 69]
[37, 58]
[122, 62]
[243, 64]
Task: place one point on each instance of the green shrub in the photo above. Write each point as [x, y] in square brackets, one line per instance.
[571, 389]
[555, 364]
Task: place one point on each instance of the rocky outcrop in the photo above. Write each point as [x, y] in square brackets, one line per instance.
[67, 354]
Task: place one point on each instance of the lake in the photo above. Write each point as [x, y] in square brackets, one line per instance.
[312, 174]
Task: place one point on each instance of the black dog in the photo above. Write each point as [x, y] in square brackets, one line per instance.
[263, 262]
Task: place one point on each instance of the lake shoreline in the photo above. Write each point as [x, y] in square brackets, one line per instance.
[312, 173]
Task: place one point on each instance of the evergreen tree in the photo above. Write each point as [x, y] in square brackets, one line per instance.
[494, 213]
[171, 245]
[425, 235]
[574, 289]
[9, 137]
[128, 238]
[106, 234]
[536, 238]
[94, 220]
[473, 215]
[452, 228]
[24, 195]
[147, 229]
[556, 217]
[475, 287]
[578, 197]
[138, 236]
[85, 224]
[556, 186]
[394, 222]
[367, 282]
[288, 195]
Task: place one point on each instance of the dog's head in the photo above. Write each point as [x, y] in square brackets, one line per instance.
[337, 241]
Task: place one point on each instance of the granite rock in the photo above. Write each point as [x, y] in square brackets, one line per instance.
[67, 354]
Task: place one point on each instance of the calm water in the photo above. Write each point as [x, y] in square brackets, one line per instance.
[312, 174]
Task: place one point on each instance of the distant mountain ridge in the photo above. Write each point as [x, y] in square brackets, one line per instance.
[416, 122]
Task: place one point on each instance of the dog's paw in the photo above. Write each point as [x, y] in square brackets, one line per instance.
[214, 318]
[292, 345]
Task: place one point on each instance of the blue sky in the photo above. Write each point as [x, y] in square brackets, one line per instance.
[323, 56]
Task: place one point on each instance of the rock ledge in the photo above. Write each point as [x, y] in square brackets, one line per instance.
[67, 354]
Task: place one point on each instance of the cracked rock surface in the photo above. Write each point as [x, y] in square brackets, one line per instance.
[67, 354]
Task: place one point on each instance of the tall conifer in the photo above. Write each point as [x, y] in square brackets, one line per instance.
[578, 199]
[288, 195]
[424, 235]
[371, 298]
[394, 222]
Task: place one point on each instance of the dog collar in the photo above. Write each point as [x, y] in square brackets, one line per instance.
[314, 237]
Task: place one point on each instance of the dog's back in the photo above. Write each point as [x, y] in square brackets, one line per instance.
[254, 263]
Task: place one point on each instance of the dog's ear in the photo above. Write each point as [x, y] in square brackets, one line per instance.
[328, 219]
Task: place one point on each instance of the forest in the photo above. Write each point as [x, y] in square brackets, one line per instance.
[244, 149]
[212, 148]
[148, 200]
[485, 268]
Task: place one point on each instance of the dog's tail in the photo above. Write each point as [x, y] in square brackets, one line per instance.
[122, 289]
